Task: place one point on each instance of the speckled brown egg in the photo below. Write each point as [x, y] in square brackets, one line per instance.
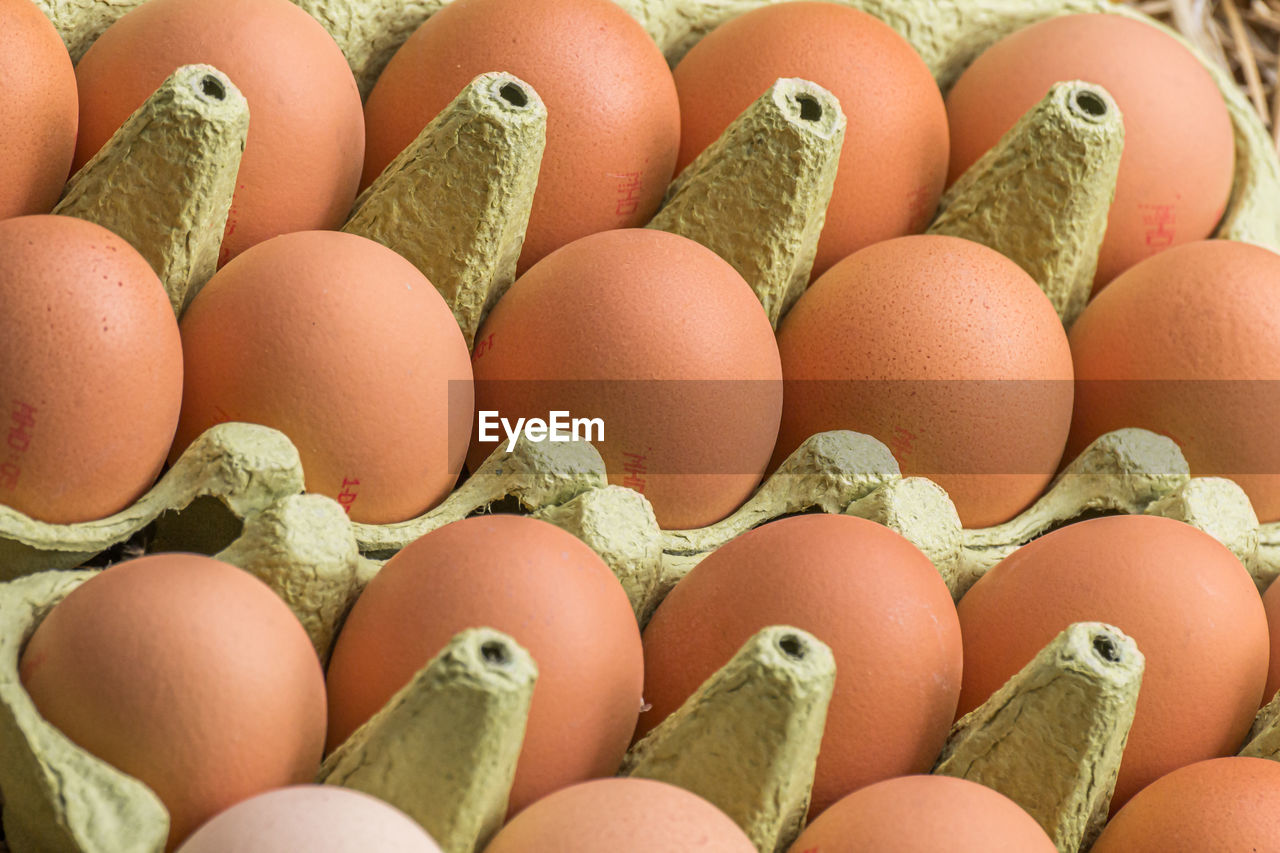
[857, 586]
[1187, 602]
[924, 814]
[1179, 149]
[1187, 344]
[301, 163]
[186, 673]
[90, 370]
[342, 345]
[38, 111]
[621, 816]
[526, 578]
[1225, 804]
[662, 341]
[613, 121]
[948, 353]
[894, 161]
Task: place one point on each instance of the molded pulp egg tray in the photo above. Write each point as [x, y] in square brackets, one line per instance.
[748, 739]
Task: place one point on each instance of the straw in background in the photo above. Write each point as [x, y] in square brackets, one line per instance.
[1242, 35]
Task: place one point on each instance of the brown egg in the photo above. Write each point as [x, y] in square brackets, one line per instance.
[90, 370]
[613, 121]
[187, 674]
[1271, 603]
[1186, 345]
[862, 589]
[342, 345]
[301, 164]
[621, 816]
[948, 353]
[1224, 804]
[311, 818]
[894, 161]
[531, 580]
[924, 814]
[663, 341]
[1179, 149]
[1182, 596]
[37, 110]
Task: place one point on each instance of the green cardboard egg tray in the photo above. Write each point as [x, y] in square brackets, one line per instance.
[444, 748]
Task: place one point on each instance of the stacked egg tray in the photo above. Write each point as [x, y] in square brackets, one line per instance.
[748, 739]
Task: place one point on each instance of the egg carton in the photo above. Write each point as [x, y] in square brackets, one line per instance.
[1068, 146]
[747, 740]
[444, 748]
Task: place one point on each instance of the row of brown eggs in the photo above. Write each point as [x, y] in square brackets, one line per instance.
[181, 25]
[620, 122]
[193, 677]
[939, 347]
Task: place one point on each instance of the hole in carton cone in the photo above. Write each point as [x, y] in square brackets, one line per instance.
[514, 95]
[495, 653]
[1091, 103]
[792, 646]
[1106, 648]
[213, 88]
[810, 109]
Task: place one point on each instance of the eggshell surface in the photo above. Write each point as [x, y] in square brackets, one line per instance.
[1215, 806]
[660, 339]
[301, 163]
[1179, 148]
[1182, 596]
[924, 814]
[186, 673]
[894, 160]
[948, 353]
[342, 345]
[314, 818]
[90, 370]
[38, 111]
[1271, 603]
[1187, 345]
[613, 121]
[621, 816]
[531, 580]
[862, 589]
